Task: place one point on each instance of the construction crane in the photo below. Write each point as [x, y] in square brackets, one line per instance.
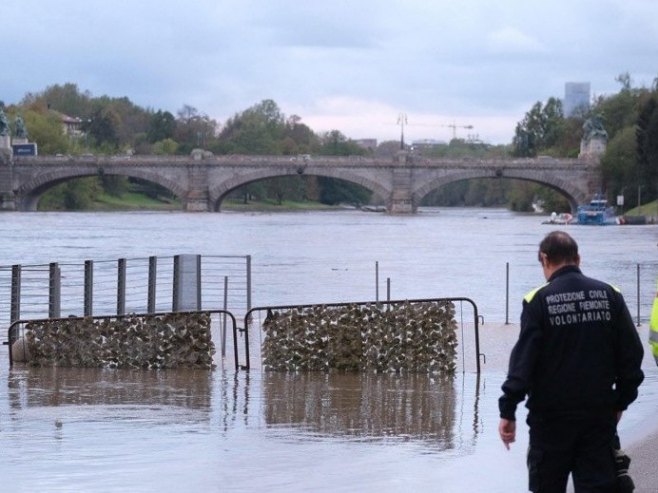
[455, 127]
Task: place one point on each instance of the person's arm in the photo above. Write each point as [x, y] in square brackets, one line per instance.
[521, 365]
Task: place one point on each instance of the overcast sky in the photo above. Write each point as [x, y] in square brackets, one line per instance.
[350, 65]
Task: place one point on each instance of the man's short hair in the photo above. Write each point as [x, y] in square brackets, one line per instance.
[559, 248]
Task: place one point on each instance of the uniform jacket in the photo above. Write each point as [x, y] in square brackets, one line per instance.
[653, 327]
[578, 351]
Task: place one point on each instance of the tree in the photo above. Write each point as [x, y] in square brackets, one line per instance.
[46, 130]
[647, 146]
[67, 99]
[334, 143]
[541, 129]
[259, 129]
[618, 164]
[334, 191]
[166, 147]
[194, 130]
[162, 125]
[102, 127]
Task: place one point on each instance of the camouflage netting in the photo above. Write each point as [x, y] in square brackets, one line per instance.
[160, 341]
[403, 337]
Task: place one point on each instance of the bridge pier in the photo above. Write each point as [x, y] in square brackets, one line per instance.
[196, 204]
[401, 200]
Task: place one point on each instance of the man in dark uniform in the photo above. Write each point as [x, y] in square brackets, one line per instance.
[578, 360]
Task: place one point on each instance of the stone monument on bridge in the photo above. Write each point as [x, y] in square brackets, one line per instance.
[594, 141]
[5, 139]
[7, 201]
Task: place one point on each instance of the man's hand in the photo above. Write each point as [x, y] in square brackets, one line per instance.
[507, 430]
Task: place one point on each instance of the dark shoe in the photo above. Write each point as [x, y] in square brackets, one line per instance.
[624, 481]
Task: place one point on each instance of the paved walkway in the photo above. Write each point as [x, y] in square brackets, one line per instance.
[643, 456]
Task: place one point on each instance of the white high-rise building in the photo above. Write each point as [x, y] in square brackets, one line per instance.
[576, 96]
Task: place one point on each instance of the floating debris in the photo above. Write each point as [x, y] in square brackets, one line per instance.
[400, 337]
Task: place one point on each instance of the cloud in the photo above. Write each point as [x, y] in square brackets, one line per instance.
[343, 65]
[511, 41]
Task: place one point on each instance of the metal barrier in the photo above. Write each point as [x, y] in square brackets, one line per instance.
[476, 318]
[117, 287]
[16, 329]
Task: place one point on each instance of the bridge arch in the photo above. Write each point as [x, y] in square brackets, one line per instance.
[218, 193]
[30, 192]
[571, 191]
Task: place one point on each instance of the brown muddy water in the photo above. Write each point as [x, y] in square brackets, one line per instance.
[83, 430]
[95, 430]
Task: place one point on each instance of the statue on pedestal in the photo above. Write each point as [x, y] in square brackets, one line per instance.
[20, 131]
[595, 139]
[4, 124]
[593, 128]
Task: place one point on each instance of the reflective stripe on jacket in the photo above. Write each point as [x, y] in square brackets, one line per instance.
[653, 327]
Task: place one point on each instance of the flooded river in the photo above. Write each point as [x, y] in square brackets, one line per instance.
[168, 431]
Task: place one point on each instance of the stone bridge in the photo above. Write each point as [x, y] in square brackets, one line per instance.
[202, 180]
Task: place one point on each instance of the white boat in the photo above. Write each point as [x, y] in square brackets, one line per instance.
[561, 218]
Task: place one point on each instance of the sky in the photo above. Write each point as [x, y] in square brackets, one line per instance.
[357, 66]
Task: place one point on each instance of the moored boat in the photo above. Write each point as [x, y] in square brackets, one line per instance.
[597, 212]
[561, 218]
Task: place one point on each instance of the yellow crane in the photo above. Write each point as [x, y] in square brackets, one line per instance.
[455, 127]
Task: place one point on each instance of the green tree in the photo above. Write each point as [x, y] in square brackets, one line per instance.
[259, 129]
[45, 129]
[618, 165]
[66, 98]
[162, 125]
[166, 147]
[114, 185]
[541, 129]
[334, 143]
[647, 146]
[334, 191]
[102, 127]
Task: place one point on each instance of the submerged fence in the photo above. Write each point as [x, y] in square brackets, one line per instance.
[119, 287]
[318, 336]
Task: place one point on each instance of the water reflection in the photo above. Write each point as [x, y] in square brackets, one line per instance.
[55, 386]
[366, 406]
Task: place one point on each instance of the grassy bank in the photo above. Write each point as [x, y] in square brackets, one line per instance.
[139, 201]
[650, 209]
[274, 206]
[132, 201]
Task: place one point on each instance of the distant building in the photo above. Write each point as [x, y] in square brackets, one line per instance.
[368, 144]
[576, 97]
[426, 143]
[72, 125]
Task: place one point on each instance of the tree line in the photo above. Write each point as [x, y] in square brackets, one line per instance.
[116, 125]
[630, 118]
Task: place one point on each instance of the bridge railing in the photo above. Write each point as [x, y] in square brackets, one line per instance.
[307, 160]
